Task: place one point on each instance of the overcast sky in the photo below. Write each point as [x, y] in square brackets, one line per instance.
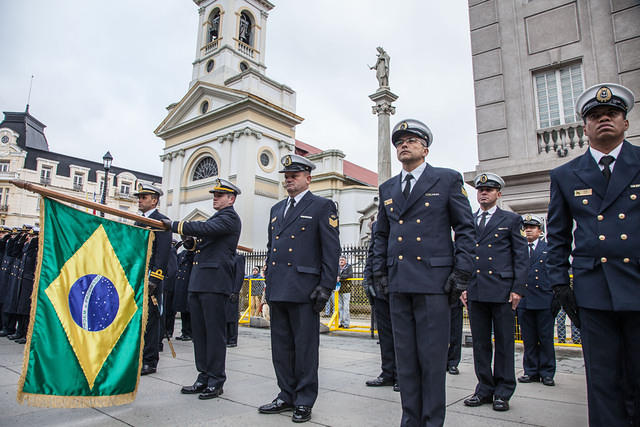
[105, 71]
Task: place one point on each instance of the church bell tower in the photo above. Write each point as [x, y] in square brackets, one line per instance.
[234, 122]
[231, 38]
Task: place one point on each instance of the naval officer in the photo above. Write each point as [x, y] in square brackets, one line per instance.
[210, 285]
[598, 194]
[302, 265]
[148, 198]
[494, 293]
[534, 311]
[418, 268]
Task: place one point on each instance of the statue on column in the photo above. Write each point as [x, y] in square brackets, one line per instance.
[382, 67]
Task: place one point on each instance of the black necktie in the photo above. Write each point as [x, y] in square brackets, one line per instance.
[483, 222]
[292, 203]
[531, 250]
[407, 186]
[606, 162]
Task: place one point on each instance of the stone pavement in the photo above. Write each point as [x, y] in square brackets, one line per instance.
[346, 361]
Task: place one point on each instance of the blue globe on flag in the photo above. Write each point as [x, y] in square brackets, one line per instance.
[93, 302]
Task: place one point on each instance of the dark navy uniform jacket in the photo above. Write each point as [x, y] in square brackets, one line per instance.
[606, 252]
[216, 243]
[416, 233]
[159, 253]
[538, 293]
[303, 250]
[501, 259]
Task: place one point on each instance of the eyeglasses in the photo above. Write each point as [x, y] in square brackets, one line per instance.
[410, 141]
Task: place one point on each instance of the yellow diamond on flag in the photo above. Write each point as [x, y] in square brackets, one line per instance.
[94, 302]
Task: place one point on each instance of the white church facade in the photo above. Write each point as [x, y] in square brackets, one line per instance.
[235, 123]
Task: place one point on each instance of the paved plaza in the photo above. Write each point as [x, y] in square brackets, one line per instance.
[347, 360]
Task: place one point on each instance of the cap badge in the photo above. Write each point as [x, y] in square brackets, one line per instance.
[287, 161]
[483, 178]
[604, 94]
[403, 125]
[527, 218]
[140, 187]
[218, 183]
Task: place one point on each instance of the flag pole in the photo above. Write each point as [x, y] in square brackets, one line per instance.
[93, 205]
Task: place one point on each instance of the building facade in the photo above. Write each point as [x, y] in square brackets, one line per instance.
[531, 60]
[25, 155]
[236, 123]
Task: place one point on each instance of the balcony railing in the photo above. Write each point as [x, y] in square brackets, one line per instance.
[122, 195]
[211, 46]
[245, 49]
[45, 180]
[561, 138]
[77, 187]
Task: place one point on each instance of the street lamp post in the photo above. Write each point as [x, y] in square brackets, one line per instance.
[106, 161]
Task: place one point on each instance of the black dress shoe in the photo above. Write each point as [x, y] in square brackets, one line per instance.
[500, 404]
[278, 405]
[4, 333]
[184, 338]
[396, 387]
[529, 378]
[545, 380]
[380, 382]
[453, 370]
[476, 400]
[196, 388]
[15, 336]
[210, 393]
[233, 344]
[24, 341]
[146, 370]
[301, 414]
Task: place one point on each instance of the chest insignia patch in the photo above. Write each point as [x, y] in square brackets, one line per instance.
[634, 186]
[585, 192]
[388, 202]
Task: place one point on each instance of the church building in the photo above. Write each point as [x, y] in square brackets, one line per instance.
[236, 123]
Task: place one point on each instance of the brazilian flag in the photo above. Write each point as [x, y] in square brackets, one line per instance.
[88, 311]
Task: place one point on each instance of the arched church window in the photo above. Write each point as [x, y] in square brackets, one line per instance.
[205, 168]
[244, 34]
[214, 25]
[204, 107]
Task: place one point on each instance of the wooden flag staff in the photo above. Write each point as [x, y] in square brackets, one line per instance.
[93, 205]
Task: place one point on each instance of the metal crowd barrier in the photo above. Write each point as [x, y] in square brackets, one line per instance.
[362, 319]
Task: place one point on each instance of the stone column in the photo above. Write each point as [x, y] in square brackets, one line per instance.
[383, 109]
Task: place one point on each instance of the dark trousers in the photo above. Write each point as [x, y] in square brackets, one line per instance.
[23, 324]
[502, 381]
[169, 314]
[385, 335]
[295, 337]
[232, 322]
[611, 345]
[455, 337]
[536, 327]
[421, 336]
[151, 350]
[209, 336]
[185, 329]
[9, 321]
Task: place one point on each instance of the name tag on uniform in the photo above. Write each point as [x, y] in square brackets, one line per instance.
[307, 217]
[503, 228]
[431, 194]
[585, 192]
[388, 202]
[634, 186]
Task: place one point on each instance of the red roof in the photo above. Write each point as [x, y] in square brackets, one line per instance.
[350, 170]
